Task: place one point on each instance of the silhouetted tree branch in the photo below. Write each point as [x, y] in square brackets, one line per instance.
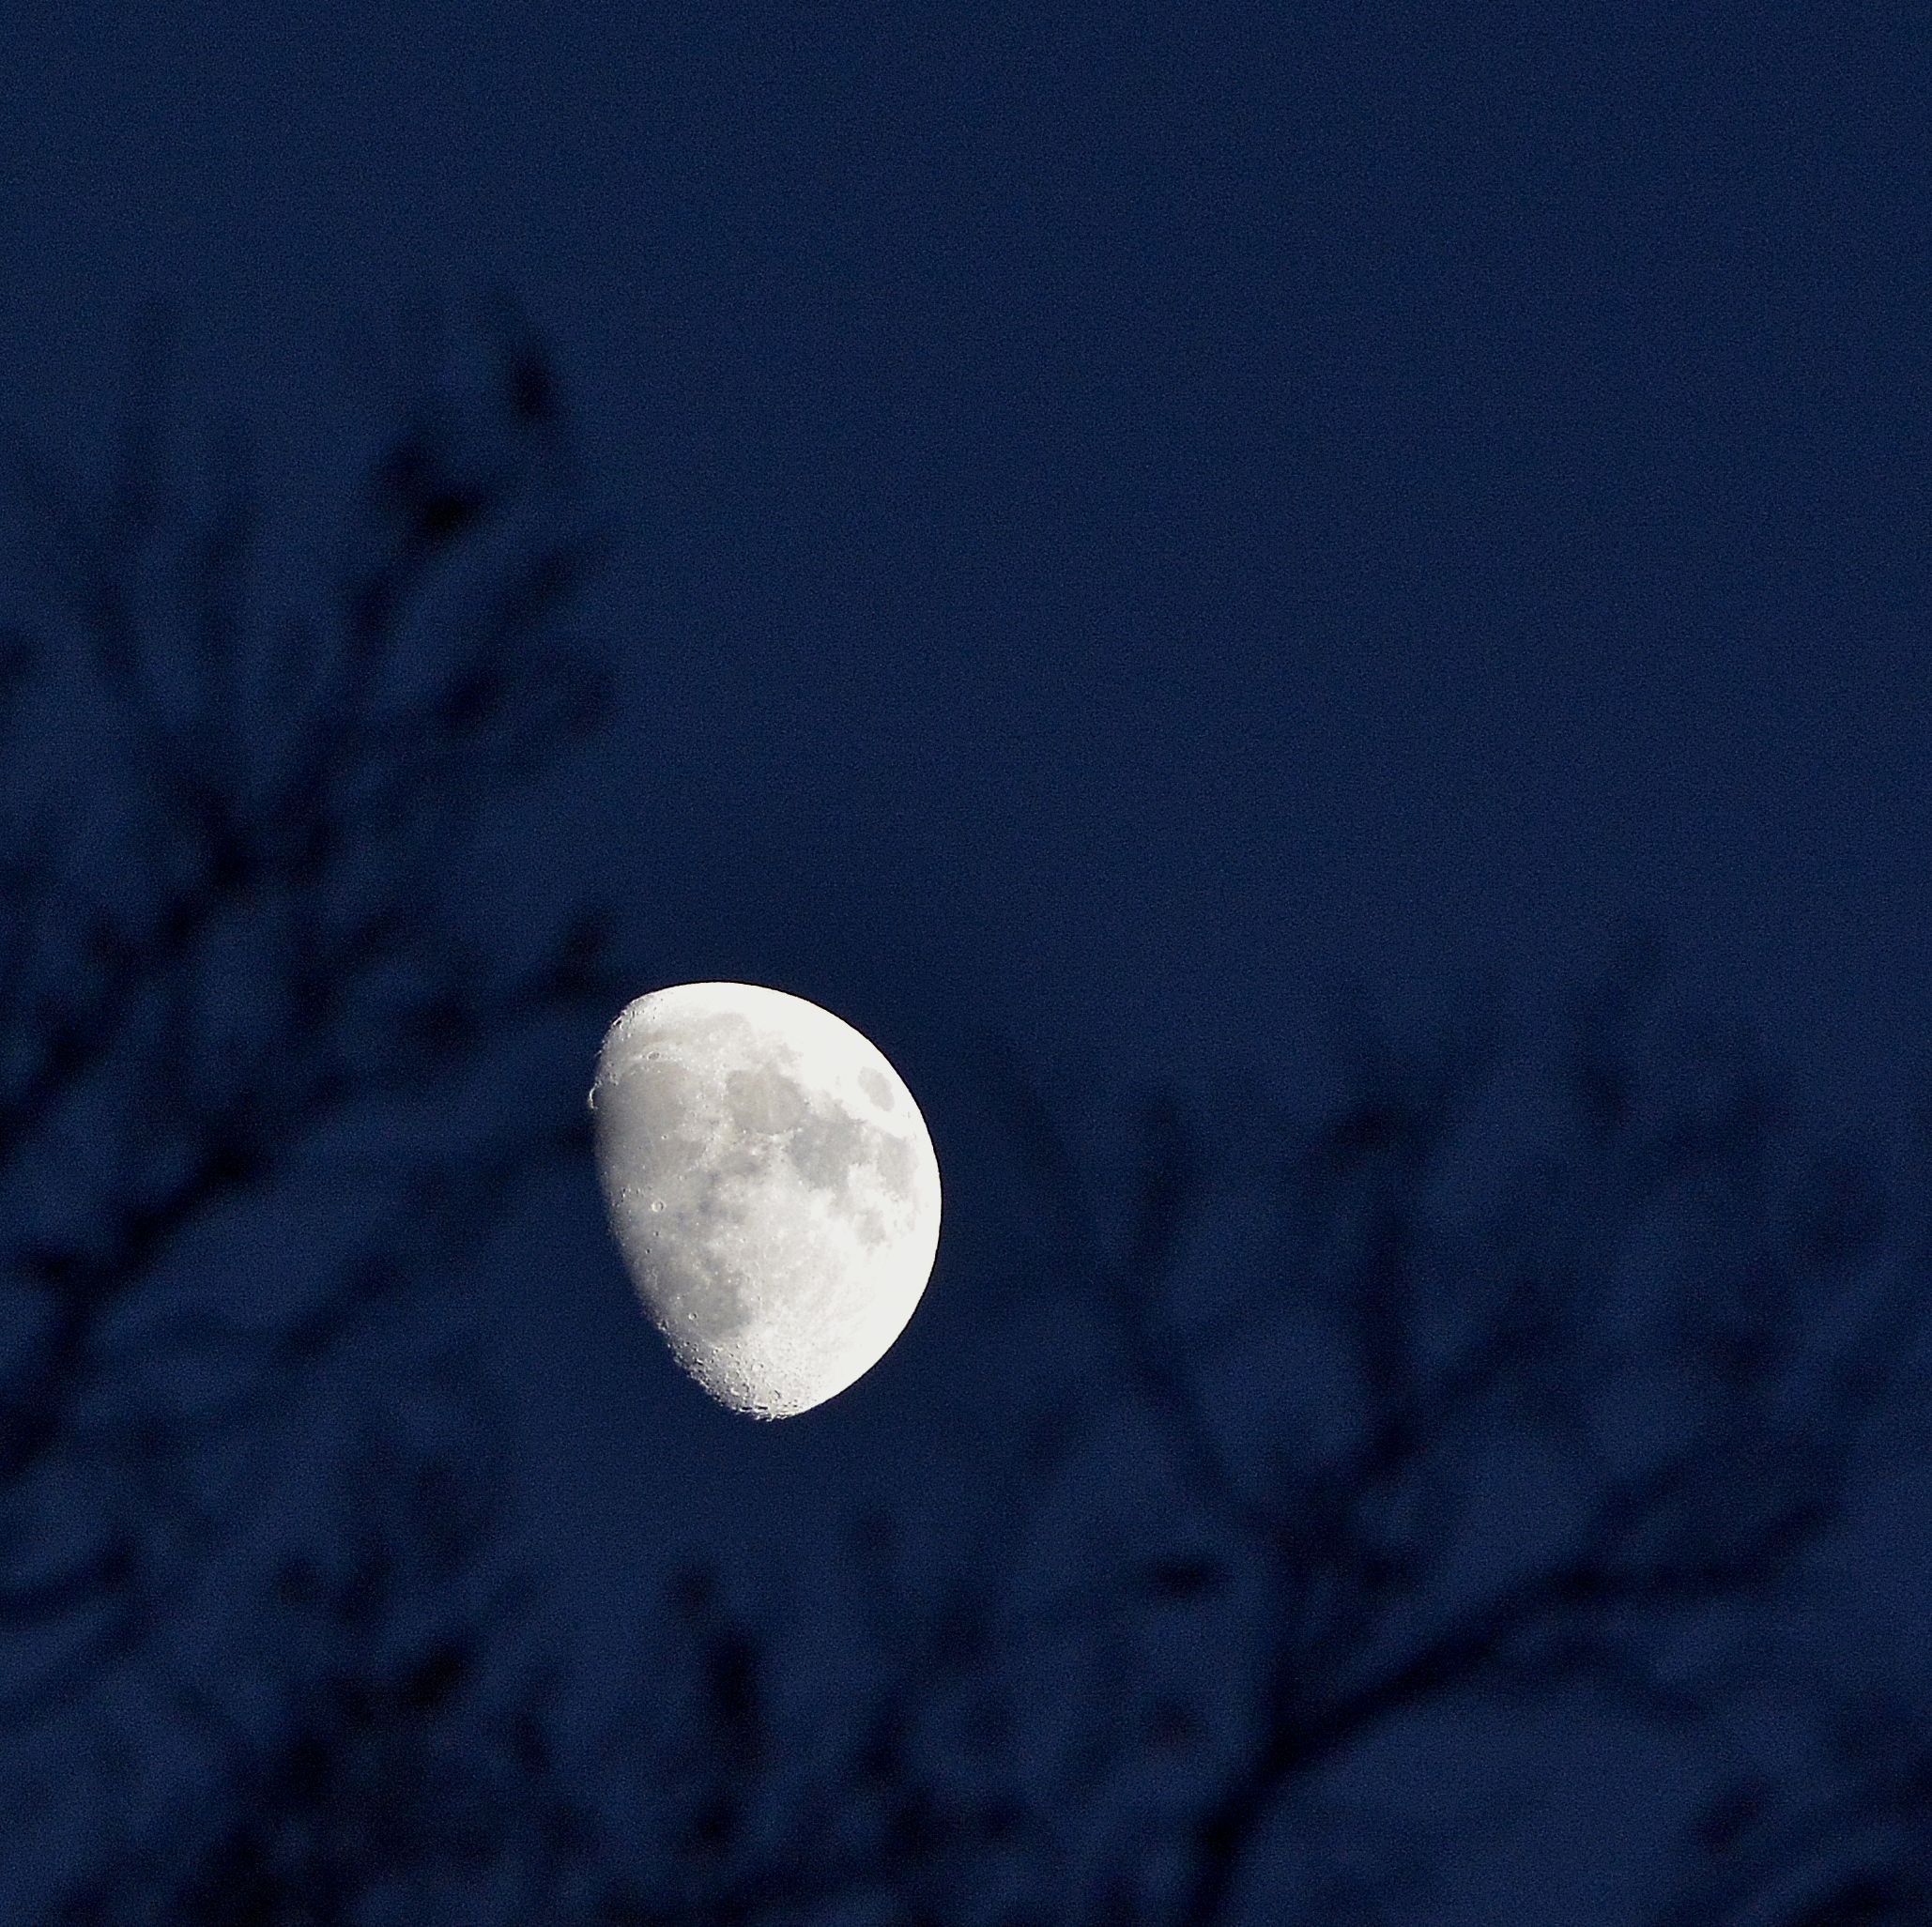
[1679, 1322]
[409, 1774]
[232, 936]
[1845, 1841]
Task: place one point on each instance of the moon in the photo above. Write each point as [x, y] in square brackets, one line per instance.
[771, 1184]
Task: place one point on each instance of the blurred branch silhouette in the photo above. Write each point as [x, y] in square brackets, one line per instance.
[411, 1769]
[1848, 1844]
[232, 932]
[1651, 1364]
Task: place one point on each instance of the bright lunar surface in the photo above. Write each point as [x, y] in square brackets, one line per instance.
[770, 1185]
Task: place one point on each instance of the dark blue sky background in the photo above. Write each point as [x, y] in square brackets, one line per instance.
[1238, 495]
[1131, 516]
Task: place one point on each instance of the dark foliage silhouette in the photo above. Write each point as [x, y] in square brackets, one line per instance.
[407, 1774]
[237, 963]
[1649, 1362]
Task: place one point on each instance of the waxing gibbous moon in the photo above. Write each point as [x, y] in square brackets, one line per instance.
[770, 1185]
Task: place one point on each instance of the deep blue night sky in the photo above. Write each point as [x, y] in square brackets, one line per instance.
[1238, 496]
[1131, 518]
